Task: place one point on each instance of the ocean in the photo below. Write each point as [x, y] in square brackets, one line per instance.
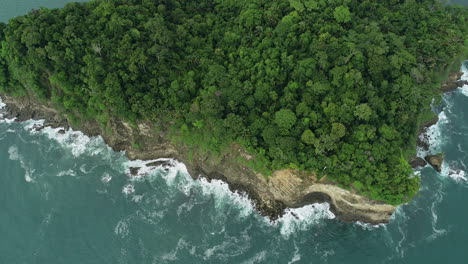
[67, 198]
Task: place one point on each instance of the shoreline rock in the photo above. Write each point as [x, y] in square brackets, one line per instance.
[417, 162]
[435, 161]
[284, 189]
[453, 82]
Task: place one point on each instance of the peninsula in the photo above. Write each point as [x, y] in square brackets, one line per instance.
[293, 102]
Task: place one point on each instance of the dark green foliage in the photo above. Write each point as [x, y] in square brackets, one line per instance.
[336, 87]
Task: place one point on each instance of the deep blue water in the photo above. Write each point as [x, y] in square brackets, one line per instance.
[68, 199]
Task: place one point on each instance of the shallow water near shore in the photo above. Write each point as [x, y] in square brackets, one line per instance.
[67, 198]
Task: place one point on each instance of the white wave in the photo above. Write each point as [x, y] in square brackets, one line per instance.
[464, 88]
[68, 172]
[176, 175]
[128, 189]
[145, 170]
[137, 198]
[77, 142]
[457, 175]
[433, 136]
[14, 155]
[106, 178]
[2, 104]
[222, 194]
[300, 219]
[464, 69]
[6, 120]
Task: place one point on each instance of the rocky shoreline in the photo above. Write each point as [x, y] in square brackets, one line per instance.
[435, 160]
[284, 189]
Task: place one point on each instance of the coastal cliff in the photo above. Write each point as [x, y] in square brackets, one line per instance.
[287, 188]
[271, 196]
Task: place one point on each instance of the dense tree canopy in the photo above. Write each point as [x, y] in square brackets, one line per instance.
[331, 86]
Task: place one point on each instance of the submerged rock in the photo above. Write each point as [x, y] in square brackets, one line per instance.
[417, 162]
[435, 161]
[37, 127]
[134, 171]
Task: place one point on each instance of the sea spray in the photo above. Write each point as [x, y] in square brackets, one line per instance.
[464, 69]
[433, 136]
[300, 219]
[2, 109]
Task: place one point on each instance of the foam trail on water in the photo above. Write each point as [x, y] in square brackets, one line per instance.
[296, 257]
[14, 155]
[368, 227]
[436, 232]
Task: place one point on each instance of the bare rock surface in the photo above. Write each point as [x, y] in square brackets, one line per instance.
[417, 162]
[435, 161]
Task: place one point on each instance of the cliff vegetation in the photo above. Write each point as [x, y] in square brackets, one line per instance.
[335, 87]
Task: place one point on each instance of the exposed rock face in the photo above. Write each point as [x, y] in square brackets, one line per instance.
[417, 162]
[435, 161]
[453, 82]
[286, 188]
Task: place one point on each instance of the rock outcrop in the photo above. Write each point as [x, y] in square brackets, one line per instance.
[417, 162]
[435, 161]
[453, 82]
[285, 188]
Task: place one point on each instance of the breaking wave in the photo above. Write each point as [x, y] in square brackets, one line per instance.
[300, 219]
[464, 69]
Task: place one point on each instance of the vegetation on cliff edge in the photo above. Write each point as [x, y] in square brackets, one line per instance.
[332, 86]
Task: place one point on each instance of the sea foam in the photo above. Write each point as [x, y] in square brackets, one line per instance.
[2, 107]
[14, 155]
[464, 88]
[300, 219]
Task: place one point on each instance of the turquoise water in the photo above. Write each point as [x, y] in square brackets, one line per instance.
[68, 199]
[12, 8]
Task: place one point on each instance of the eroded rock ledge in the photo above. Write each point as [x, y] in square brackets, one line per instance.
[285, 188]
